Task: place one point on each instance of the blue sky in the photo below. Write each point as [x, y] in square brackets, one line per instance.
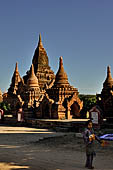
[79, 30]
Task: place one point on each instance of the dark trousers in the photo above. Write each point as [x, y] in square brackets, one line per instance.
[89, 160]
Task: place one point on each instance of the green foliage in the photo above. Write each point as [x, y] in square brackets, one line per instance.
[88, 102]
[5, 106]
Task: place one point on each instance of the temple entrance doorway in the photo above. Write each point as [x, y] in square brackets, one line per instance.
[45, 111]
[75, 110]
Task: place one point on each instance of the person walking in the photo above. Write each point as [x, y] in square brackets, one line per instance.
[20, 115]
[89, 138]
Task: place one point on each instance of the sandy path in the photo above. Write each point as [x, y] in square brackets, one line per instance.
[20, 148]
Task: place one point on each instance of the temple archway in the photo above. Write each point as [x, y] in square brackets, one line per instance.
[75, 110]
[74, 105]
[45, 111]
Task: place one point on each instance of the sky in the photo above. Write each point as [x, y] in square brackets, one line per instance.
[79, 30]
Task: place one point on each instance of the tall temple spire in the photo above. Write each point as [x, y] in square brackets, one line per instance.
[16, 76]
[15, 80]
[32, 80]
[109, 80]
[61, 76]
[42, 69]
[40, 58]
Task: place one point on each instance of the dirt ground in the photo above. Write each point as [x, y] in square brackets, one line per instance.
[39, 149]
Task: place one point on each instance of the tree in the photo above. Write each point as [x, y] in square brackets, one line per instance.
[88, 102]
[5, 107]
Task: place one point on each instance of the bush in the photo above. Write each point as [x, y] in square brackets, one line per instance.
[5, 107]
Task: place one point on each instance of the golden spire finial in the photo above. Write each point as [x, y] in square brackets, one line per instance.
[40, 41]
[61, 63]
[61, 60]
[109, 72]
[40, 37]
[108, 69]
[32, 70]
[16, 67]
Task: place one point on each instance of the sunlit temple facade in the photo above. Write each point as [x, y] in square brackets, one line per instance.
[41, 93]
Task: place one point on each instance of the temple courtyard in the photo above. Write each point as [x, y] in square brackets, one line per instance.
[42, 149]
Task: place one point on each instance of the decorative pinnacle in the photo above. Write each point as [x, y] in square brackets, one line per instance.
[32, 80]
[16, 67]
[61, 63]
[61, 60]
[108, 69]
[61, 78]
[109, 72]
[40, 37]
[40, 41]
[32, 70]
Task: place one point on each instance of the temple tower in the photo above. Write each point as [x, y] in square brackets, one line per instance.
[66, 101]
[15, 81]
[32, 88]
[105, 99]
[107, 85]
[41, 66]
[12, 96]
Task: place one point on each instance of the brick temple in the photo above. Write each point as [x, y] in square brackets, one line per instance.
[41, 93]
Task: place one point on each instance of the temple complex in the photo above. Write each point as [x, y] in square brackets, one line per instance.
[42, 94]
[105, 99]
